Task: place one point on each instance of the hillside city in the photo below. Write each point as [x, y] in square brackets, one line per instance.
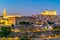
[45, 25]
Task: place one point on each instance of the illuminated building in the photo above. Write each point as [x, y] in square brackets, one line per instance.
[8, 19]
[14, 19]
[47, 12]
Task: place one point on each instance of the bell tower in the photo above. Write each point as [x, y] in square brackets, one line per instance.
[4, 13]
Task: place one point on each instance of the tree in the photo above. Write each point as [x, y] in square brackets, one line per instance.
[5, 31]
[1, 35]
[50, 22]
[56, 27]
[24, 23]
[24, 38]
[12, 25]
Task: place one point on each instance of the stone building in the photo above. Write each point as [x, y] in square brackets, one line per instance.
[49, 12]
[29, 19]
[8, 19]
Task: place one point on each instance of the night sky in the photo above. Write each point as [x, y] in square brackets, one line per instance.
[29, 7]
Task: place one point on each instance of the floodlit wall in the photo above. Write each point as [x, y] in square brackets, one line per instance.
[52, 12]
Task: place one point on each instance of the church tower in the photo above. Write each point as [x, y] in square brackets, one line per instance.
[4, 13]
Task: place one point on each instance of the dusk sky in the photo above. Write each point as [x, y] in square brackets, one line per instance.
[29, 7]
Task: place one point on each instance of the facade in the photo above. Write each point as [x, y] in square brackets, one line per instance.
[14, 19]
[29, 19]
[49, 12]
[8, 19]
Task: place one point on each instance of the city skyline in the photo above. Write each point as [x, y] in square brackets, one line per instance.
[29, 7]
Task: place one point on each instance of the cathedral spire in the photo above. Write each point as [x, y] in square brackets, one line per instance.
[4, 13]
